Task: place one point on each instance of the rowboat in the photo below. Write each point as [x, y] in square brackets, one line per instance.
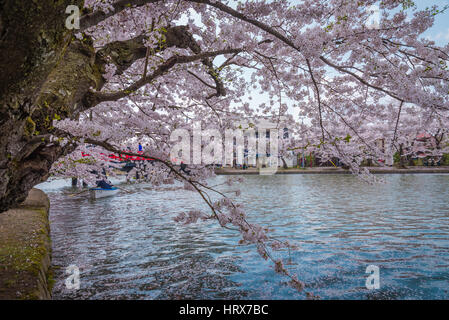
[97, 193]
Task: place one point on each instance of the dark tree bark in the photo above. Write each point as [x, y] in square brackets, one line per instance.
[402, 158]
[284, 163]
[33, 39]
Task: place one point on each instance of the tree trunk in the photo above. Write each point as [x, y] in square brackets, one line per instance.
[284, 163]
[36, 54]
[402, 159]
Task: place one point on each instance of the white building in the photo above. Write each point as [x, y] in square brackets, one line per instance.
[261, 131]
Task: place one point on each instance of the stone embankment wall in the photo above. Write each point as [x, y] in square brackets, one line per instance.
[25, 249]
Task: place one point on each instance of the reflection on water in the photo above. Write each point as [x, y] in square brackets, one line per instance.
[128, 247]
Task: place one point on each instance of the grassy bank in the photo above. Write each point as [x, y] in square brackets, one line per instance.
[25, 250]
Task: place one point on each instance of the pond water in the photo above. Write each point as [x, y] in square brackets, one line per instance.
[128, 247]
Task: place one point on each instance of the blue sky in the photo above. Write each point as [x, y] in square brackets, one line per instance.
[440, 30]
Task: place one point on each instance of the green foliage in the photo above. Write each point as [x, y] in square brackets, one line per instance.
[445, 159]
[396, 157]
[307, 160]
[329, 27]
[407, 4]
[30, 127]
[433, 11]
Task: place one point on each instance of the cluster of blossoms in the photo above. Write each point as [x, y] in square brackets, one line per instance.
[341, 86]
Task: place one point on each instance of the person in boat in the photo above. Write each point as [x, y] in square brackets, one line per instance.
[184, 167]
[103, 184]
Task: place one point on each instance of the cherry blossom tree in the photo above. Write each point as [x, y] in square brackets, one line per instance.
[136, 70]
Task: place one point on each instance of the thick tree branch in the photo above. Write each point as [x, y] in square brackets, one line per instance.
[93, 98]
[124, 53]
[93, 18]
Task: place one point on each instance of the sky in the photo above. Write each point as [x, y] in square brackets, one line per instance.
[440, 30]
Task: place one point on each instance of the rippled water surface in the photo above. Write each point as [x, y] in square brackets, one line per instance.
[128, 247]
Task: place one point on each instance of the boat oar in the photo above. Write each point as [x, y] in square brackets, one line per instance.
[123, 189]
[74, 194]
